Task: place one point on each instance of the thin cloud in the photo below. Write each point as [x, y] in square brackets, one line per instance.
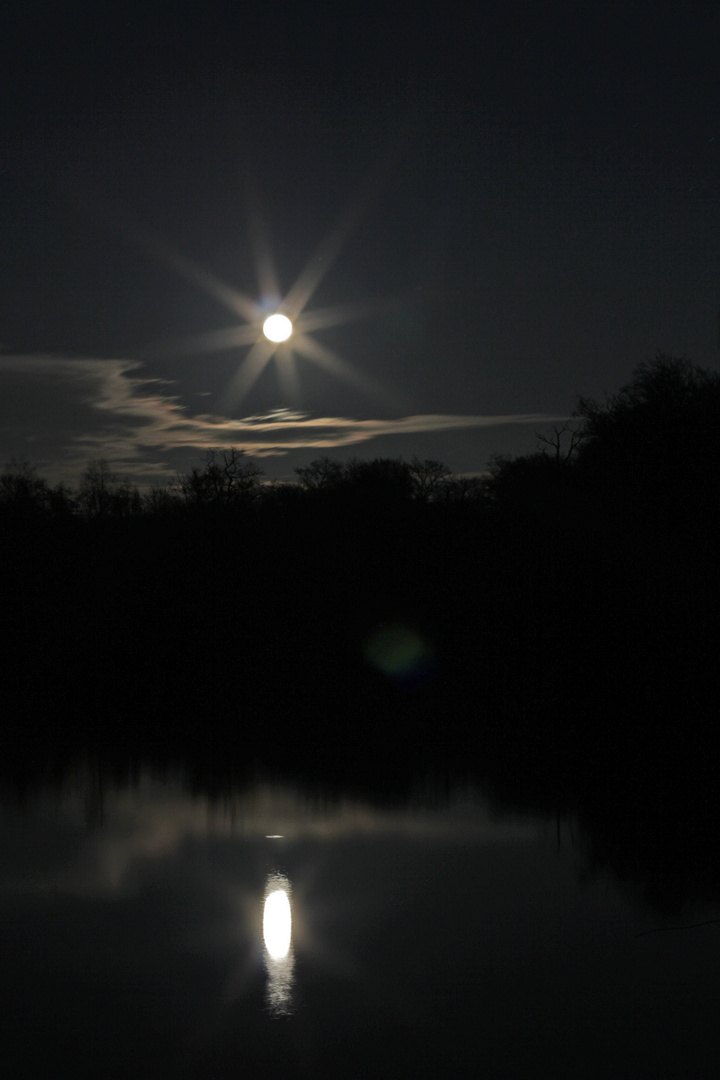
[73, 409]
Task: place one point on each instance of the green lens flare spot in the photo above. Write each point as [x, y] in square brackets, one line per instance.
[398, 651]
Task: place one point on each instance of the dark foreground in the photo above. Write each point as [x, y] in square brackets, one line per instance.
[432, 935]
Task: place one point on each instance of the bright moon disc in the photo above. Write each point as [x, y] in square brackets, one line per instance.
[277, 328]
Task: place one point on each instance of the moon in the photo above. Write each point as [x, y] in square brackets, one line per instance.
[277, 328]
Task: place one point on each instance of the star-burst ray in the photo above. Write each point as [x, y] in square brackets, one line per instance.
[313, 350]
[264, 266]
[184, 267]
[288, 375]
[309, 278]
[255, 311]
[248, 373]
[229, 337]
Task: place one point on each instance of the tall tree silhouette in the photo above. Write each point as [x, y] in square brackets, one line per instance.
[653, 449]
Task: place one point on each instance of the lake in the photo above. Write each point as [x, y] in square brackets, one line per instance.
[152, 931]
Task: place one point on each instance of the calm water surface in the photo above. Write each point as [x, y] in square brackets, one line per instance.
[149, 932]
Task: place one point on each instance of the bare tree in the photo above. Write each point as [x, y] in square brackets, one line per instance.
[463, 489]
[103, 495]
[380, 480]
[161, 499]
[21, 487]
[95, 487]
[321, 474]
[558, 446]
[226, 479]
[429, 478]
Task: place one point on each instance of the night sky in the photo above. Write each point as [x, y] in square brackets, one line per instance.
[477, 213]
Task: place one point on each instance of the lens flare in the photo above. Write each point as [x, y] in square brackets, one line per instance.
[400, 652]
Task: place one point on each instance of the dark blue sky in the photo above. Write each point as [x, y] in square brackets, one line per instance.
[522, 204]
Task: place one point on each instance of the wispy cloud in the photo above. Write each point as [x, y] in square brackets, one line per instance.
[74, 409]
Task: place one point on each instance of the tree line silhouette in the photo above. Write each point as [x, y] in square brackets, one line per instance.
[535, 603]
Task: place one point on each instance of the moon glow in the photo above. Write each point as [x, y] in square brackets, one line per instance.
[277, 328]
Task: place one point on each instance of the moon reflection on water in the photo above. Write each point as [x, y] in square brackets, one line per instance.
[277, 936]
